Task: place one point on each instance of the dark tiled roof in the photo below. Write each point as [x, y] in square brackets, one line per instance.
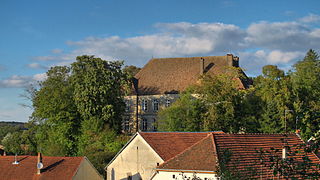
[200, 157]
[169, 144]
[55, 168]
[173, 75]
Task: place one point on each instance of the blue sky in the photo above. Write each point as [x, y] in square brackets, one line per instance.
[38, 34]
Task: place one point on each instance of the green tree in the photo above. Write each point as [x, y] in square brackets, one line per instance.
[306, 86]
[56, 114]
[276, 100]
[131, 70]
[99, 87]
[183, 115]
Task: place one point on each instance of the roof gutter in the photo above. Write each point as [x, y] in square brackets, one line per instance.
[187, 171]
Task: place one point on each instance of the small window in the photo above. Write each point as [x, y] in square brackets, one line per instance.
[129, 177]
[127, 106]
[168, 102]
[126, 125]
[144, 124]
[154, 125]
[157, 164]
[173, 176]
[144, 105]
[155, 104]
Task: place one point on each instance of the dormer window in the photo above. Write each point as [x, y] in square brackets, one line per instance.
[155, 105]
[144, 105]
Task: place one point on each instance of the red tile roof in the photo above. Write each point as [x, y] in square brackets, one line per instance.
[246, 148]
[55, 168]
[169, 144]
[200, 157]
[244, 151]
[173, 75]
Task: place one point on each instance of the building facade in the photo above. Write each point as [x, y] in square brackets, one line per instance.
[158, 84]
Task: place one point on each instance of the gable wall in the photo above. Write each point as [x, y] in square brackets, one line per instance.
[87, 171]
[137, 160]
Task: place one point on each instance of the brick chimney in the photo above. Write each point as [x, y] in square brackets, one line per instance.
[201, 66]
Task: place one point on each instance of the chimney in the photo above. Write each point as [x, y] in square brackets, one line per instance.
[284, 152]
[15, 160]
[201, 66]
[39, 163]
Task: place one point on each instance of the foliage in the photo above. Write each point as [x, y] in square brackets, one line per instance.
[183, 115]
[56, 114]
[131, 70]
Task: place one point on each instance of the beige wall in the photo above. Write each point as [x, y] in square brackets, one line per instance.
[165, 175]
[150, 114]
[137, 160]
[87, 171]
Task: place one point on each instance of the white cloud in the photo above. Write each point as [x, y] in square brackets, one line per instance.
[282, 42]
[17, 81]
[310, 19]
[56, 51]
[36, 66]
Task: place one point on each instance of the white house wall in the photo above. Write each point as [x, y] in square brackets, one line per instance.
[165, 175]
[137, 159]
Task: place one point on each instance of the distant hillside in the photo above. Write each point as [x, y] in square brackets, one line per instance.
[10, 127]
[12, 123]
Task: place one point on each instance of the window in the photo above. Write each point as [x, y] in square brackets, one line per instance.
[126, 125]
[168, 102]
[127, 106]
[144, 105]
[154, 125]
[155, 104]
[144, 124]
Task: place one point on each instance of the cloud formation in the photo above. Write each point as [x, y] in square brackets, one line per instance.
[259, 44]
[16, 81]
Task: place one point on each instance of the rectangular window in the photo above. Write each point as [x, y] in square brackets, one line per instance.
[155, 104]
[154, 125]
[144, 105]
[127, 105]
[126, 125]
[168, 102]
[144, 124]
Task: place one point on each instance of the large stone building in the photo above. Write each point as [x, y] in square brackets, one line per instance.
[160, 81]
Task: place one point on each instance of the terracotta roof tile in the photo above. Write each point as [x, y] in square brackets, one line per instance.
[55, 168]
[200, 157]
[173, 75]
[245, 149]
[169, 144]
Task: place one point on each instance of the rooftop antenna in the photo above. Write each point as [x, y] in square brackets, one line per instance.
[15, 160]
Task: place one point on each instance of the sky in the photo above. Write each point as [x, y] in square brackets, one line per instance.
[38, 34]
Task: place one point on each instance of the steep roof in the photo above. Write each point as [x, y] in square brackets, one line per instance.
[199, 157]
[61, 168]
[169, 144]
[173, 75]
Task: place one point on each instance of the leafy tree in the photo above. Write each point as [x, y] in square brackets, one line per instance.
[306, 85]
[275, 105]
[131, 70]
[183, 115]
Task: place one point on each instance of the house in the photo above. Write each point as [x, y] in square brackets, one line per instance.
[46, 167]
[183, 155]
[159, 82]
[147, 150]
[245, 156]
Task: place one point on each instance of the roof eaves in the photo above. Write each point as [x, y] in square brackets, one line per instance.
[184, 170]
